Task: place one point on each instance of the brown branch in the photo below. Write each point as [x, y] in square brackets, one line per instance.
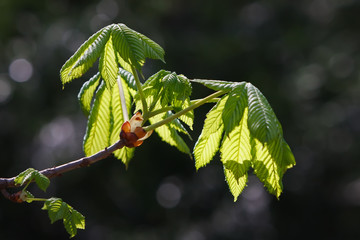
[56, 171]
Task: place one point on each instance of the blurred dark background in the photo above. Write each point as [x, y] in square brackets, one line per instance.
[303, 55]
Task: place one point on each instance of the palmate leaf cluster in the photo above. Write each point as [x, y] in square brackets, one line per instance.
[121, 51]
[165, 89]
[241, 125]
[58, 209]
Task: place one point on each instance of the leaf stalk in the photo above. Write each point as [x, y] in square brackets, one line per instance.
[141, 93]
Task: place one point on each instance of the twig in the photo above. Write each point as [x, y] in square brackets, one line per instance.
[67, 167]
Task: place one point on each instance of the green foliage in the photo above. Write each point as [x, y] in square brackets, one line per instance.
[30, 175]
[164, 89]
[252, 138]
[241, 126]
[87, 92]
[58, 209]
[115, 45]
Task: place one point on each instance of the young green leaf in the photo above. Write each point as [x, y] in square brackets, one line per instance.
[262, 121]
[129, 79]
[152, 89]
[31, 174]
[99, 123]
[28, 197]
[114, 44]
[234, 107]
[134, 47]
[168, 133]
[176, 89]
[108, 65]
[271, 160]
[85, 56]
[87, 92]
[209, 140]
[171, 136]
[236, 155]
[187, 118]
[176, 124]
[58, 209]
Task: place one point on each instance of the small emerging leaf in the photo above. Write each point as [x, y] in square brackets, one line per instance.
[31, 174]
[58, 209]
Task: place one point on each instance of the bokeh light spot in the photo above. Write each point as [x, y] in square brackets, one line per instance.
[20, 70]
[168, 195]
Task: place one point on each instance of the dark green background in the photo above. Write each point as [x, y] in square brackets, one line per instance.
[303, 55]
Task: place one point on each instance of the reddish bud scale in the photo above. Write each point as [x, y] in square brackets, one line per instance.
[133, 138]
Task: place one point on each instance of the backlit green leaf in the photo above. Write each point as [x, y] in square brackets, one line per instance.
[108, 67]
[236, 155]
[87, 92]
[31, 174]
[268, 165]
[262, 121]
[85, 56]
[99, 123]
[234, 107]
[168, 133]
[209, 140]
[130, 81]
[187, 118]
[134, 47]
[177, 89]
[58, 209]
[176, 124]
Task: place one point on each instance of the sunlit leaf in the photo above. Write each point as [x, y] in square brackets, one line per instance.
[176, 124]
[99, 123]
[114, 44]
[108, 67]
[168, 133]
[134, 47]
[31, 174]
[236, 155]
[262, 121]
[209, 140]
[58, 209]
[130, 81]
[234, 107]
[176, 89]
[187, 118]
[85, 56]
[87, 92]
